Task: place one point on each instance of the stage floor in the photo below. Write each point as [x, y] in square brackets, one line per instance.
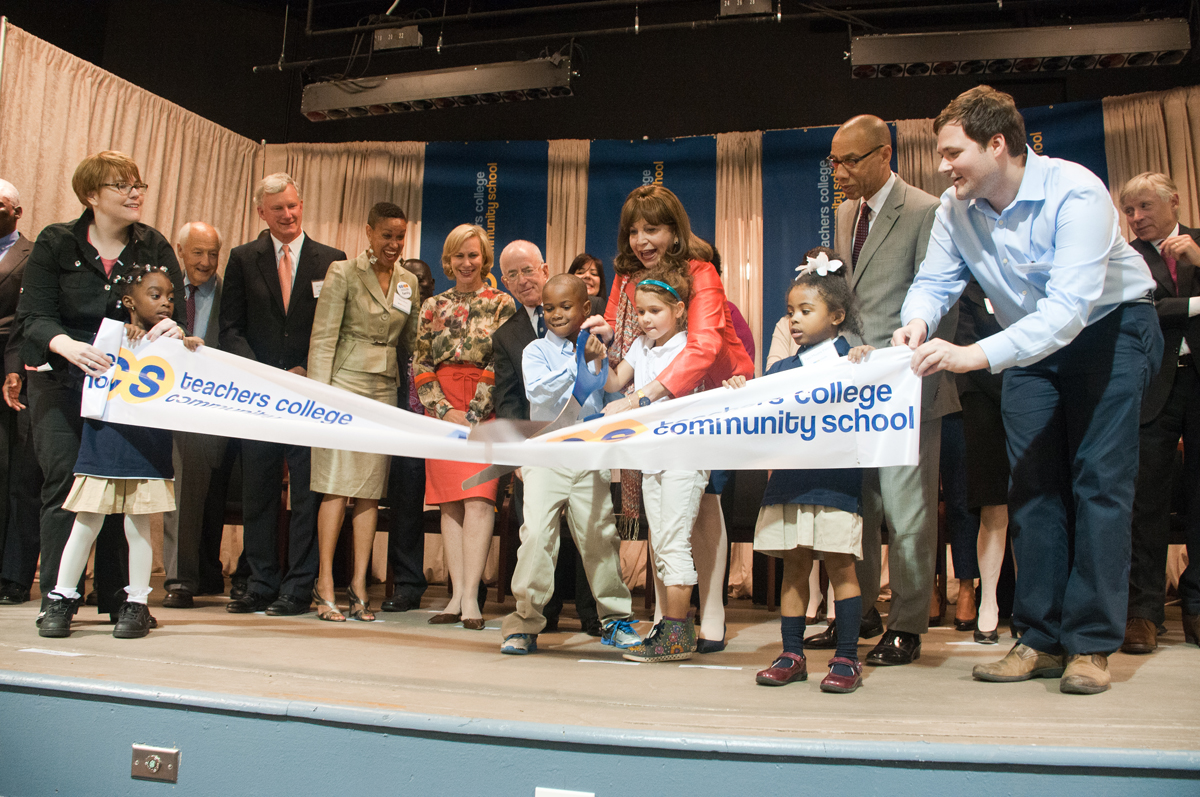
[401, 662]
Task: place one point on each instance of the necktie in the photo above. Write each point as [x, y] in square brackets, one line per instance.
[541, 321]
[860, 232]
[191, 308]
[1173, 268]
[285, 275]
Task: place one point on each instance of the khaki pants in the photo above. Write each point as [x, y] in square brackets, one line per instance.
[586, 496]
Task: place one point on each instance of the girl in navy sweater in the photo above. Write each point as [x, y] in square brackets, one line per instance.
[121, 469]
[816, 511]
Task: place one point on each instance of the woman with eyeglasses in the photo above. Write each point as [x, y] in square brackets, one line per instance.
[69, 288]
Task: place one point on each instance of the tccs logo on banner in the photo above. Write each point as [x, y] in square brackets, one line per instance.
[136, 380]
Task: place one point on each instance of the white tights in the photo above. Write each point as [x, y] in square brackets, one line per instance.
[79, 547]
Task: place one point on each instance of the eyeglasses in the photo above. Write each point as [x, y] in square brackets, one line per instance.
[851, 161]
[525, 273]
[126, 188]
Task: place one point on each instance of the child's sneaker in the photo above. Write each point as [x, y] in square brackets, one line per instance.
[670, 640]
[519, 644]
[133, 621]
[620, 635]
[55, 622]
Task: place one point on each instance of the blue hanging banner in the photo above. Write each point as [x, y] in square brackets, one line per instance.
[1073, 131]
[499, 185]
[800, 201]
[687, 166]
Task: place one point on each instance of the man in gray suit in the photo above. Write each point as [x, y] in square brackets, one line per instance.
[188, 540]
[882, 231]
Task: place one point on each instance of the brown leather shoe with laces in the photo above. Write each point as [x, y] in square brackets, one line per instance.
[1141, 636]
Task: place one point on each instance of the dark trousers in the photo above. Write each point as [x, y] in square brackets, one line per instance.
[1072, 426]
[1159, 441]
[962, 526]
[21, 482]
[262, 483]
[57, 427]
[406, 533]
[191, 533]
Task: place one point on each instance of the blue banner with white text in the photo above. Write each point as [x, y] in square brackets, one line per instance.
[1073, 131]
[687, 166]
[499, 185]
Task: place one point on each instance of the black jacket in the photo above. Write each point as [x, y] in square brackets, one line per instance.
[253, 323]
[1172, 307]
[65, 290]
[12, 269]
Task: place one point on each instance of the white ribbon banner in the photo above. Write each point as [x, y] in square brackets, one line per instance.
[829, 415]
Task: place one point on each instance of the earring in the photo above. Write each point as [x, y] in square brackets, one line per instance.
[371, 256]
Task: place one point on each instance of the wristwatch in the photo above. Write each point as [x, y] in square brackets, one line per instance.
[643, 399]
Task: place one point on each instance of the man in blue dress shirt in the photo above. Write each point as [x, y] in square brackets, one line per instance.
[1080, 342]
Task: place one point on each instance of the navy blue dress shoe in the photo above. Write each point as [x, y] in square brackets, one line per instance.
[288, 605]
[248, 604]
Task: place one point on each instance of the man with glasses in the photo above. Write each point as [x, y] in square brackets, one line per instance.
[882, 231]
[524, 274]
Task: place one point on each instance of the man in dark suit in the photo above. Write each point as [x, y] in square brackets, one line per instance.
[270, 295]
[882, 231]
[192, 536]
[20, 476]
[1170, 410]
[524, 274]
[406, 487]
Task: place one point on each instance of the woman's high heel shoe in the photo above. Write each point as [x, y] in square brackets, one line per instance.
[359, 609]
[327, 610]
[987, 637]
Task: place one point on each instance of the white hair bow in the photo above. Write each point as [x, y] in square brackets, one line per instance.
[821, 264]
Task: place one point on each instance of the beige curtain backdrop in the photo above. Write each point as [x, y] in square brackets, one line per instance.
[739, 236]
[1155, 132]
[566, 202]
[916, 156]
[56, 109]
[340, 183]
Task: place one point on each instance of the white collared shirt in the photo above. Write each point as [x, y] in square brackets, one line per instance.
[877, 200]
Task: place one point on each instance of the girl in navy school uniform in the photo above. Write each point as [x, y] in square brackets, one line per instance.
[121, 469]
[816, 511]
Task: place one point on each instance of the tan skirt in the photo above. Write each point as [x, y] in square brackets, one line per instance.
[784, 527]
[120, 496]
[353, 473]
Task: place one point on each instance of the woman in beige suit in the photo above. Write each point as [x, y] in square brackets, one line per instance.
[365, 308]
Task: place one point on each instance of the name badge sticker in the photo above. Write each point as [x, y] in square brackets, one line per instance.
[402, 304]
[317, 288]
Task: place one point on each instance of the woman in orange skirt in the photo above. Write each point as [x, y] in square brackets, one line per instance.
[454, 377]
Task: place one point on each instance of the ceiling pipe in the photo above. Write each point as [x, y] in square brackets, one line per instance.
[481, 15]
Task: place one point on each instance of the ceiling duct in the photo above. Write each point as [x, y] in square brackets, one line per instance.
[1049, 49]
[508, 81]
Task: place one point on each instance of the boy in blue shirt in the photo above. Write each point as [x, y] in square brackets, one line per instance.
[550, 366]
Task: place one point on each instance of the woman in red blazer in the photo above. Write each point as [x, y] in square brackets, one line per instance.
[655, 233]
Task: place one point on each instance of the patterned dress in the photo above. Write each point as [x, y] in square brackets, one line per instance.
[453, 369]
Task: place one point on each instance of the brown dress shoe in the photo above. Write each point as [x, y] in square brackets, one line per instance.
[1191, 629]
[1086, 674]
[1141, 636]
[1021, 664]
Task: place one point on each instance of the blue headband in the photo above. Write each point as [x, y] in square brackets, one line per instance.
[661, 284]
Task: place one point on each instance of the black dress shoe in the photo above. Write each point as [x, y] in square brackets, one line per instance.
[287, 605]
[896, 647]
[987, 637]
[12, 594]
[237, 590]
[248, 603]
[178, 599]
[591, 627]
[400, 603]
[825, 640]
[966, 625]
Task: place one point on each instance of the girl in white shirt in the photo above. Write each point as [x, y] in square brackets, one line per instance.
[672, 497]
